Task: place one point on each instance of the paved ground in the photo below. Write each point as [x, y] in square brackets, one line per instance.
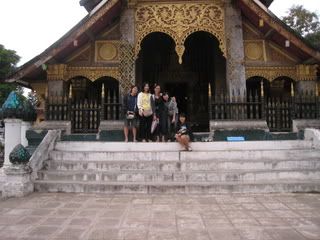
[165, 217]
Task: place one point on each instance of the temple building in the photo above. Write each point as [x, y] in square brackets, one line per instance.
[222, 59]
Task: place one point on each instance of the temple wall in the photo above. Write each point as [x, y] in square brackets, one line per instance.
[306, 86]
[56, 87]
[235, 50]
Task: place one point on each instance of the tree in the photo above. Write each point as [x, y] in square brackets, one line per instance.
[314, 39]
[305, 22]
[8, 62]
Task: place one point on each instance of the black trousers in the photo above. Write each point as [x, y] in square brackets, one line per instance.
[145, 127]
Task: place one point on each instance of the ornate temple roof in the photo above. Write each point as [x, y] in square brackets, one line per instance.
[104, 13]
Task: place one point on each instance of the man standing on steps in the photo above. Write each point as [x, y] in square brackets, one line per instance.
[130, 113]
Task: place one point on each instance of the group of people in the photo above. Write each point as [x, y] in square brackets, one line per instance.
[156, 115]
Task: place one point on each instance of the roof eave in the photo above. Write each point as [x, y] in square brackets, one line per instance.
[70, 36]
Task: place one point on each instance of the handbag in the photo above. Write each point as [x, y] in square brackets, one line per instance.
[130, 116]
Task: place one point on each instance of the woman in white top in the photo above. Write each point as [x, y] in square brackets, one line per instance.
[146, 108]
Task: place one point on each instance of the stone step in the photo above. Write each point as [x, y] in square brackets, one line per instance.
[181, 176]
[169, 147]
[205, 165]
[176, 187]
[293, 154]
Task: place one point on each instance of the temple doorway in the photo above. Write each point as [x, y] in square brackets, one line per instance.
[203, 65]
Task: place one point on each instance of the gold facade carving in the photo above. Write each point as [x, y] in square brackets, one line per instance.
[93, 73]
[127, 65]
[107, 51]
[65, 73]
[307, 72]
[297, 73]
[277, 54]
[81, 56]
[254, 50]
[179, 20]
[56, 72]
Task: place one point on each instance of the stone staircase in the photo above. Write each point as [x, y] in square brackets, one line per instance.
[215, 167]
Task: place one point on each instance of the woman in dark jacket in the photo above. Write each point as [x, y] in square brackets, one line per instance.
[161, 107]
[130, 110]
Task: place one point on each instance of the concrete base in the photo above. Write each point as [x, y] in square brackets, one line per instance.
[239, 125]
[111, 131]
[111, 125]
[25, 126]
[250, 130]
[64, 126]
[12, 137]
[314, 136]
[302, 124]
[2, 179]
[18, 182]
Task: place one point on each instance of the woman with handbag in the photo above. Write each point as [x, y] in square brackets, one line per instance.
[146, 109]
[130, 113]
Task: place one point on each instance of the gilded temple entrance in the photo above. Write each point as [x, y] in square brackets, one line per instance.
[202, 65]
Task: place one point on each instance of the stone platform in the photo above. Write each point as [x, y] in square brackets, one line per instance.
[59, 216]
[213, 167]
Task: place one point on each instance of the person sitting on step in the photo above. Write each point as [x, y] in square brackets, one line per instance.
[183, 132]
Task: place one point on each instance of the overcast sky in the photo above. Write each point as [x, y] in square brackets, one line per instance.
[30, 26]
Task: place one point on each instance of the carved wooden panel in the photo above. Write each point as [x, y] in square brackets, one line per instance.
[179, 20]
[107, 51]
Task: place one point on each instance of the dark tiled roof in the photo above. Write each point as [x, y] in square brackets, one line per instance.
[89, 4]
[266, 2]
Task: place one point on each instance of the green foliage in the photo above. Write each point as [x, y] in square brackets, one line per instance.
[314, 39]
[8, 62]
[304, 22]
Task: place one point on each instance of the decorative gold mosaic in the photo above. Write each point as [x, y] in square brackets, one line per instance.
[106, 51]
[179, 20]
[254, 50]
[297, 73]
[127, 65]
[93, 73]
[65, 73]
[56, 72]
